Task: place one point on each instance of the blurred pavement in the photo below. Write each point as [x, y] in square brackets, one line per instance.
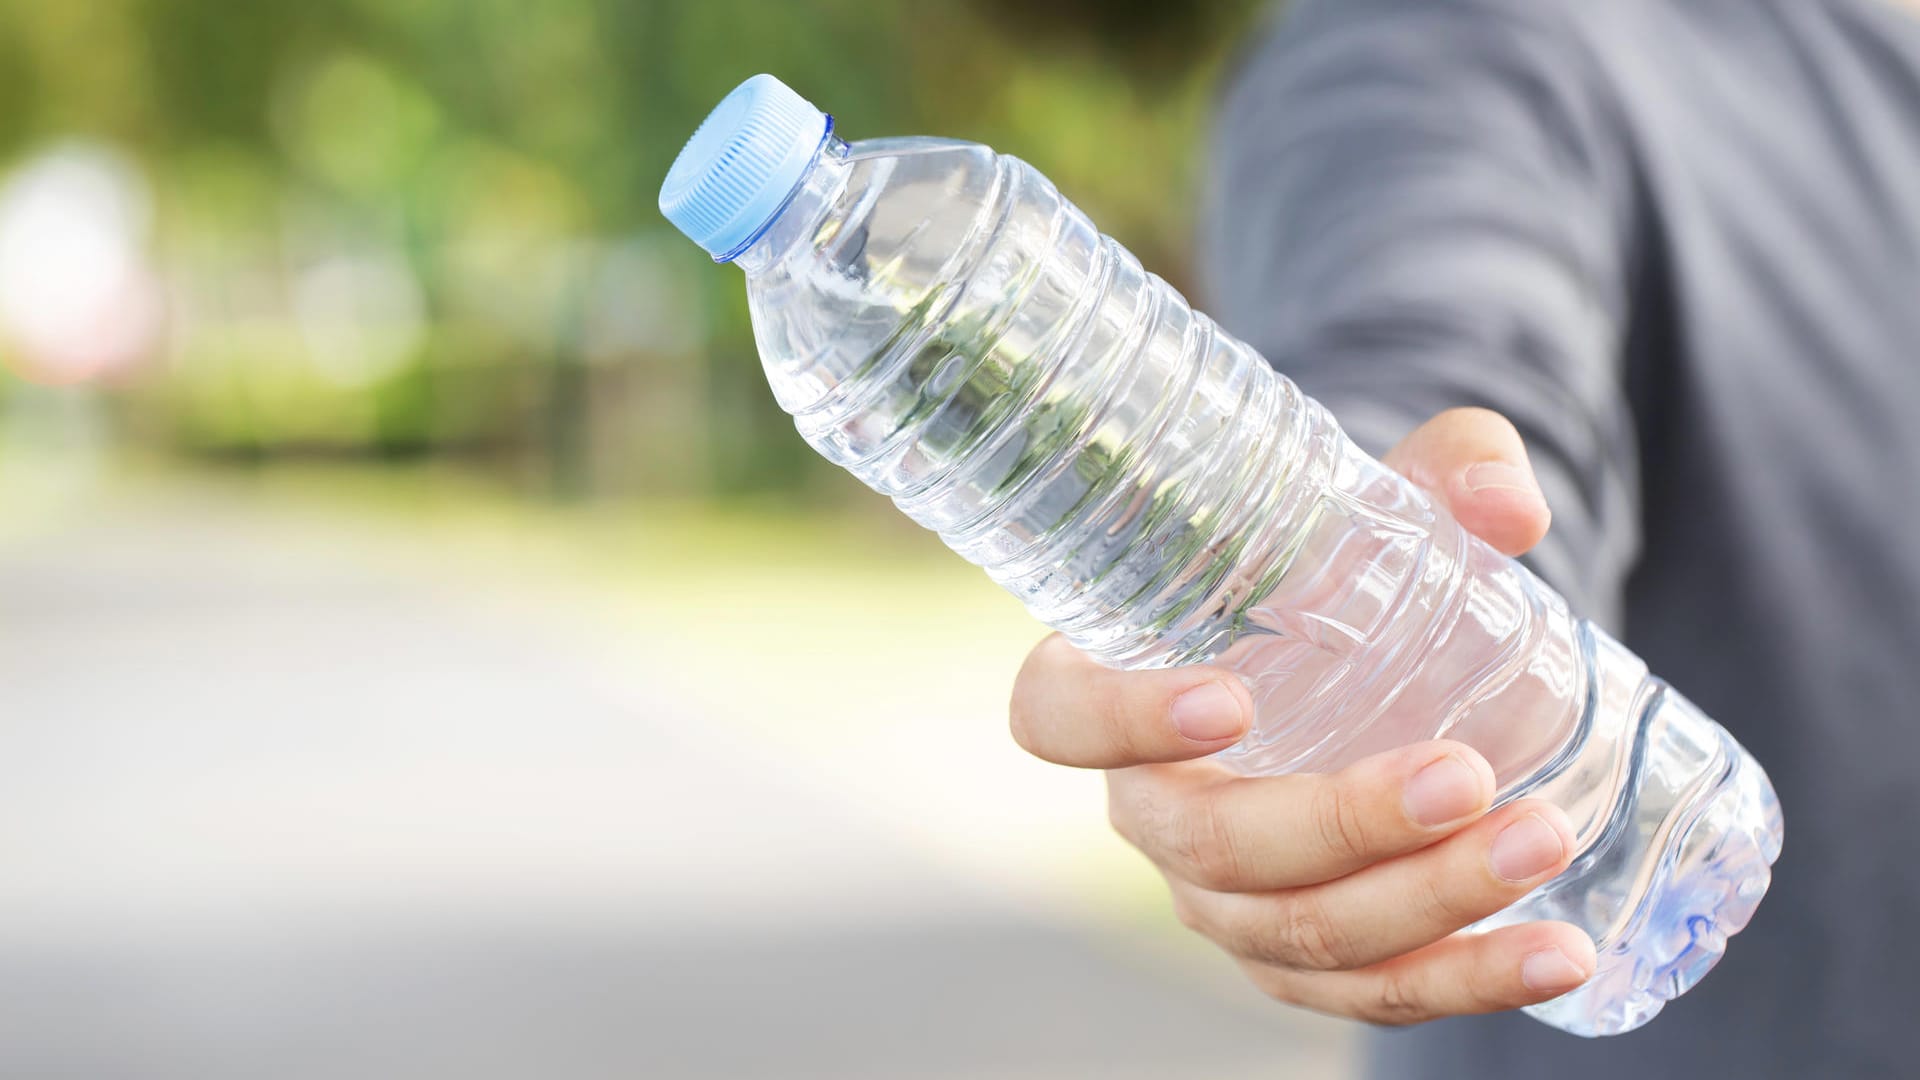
[286, 797]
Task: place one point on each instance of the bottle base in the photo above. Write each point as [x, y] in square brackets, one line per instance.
[1706, 891]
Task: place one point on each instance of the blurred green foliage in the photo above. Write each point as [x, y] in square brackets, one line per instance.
[402, 228]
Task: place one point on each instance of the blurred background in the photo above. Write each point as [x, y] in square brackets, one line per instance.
[426, 650]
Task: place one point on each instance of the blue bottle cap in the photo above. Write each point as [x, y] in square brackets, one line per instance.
[736, 172]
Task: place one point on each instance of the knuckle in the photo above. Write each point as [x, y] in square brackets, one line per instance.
[1207, 844]
[1310, 938]
[1444, 905]
[1395, 1002]
[1340, 827]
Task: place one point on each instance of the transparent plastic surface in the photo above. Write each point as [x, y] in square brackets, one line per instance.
[947, 327]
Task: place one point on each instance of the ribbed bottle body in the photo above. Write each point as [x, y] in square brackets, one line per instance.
[943, 324]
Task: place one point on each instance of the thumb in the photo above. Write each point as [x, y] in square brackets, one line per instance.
[1473, 461]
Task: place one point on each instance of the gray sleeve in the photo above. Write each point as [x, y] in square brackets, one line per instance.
[1419, 204]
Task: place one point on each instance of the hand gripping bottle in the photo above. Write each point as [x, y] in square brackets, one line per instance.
[944, 325]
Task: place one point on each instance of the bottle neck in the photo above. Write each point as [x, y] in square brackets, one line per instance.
[818, 189]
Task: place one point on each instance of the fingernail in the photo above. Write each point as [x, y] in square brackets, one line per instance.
[1550, 970]
[1444, 791]
[1207, 713]
[1498, 475]
[1525, 849]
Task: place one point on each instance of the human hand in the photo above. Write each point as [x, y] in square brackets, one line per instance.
[1341, 892]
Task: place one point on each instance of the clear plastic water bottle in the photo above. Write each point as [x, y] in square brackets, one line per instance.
[944, 325]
